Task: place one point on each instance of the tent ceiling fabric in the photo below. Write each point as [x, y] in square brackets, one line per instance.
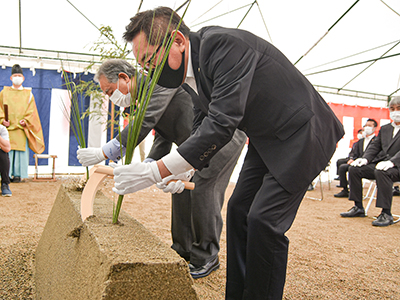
[293, 26]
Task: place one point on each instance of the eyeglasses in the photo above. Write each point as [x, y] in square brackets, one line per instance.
[147, 64]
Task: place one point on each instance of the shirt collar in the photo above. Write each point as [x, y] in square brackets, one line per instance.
[20, 88]
[189, 71]
[395, 126]
[370, 137]
[190, 79]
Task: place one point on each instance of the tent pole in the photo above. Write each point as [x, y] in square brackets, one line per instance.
[326, 32]
[370, 65]
[352, 65]
[20, 30]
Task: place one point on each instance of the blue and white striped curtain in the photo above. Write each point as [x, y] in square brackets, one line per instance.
[50, 93]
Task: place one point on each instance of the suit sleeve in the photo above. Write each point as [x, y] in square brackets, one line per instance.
[354, 152]
[374, 148]
[199, 115]
[230, 64]
[357, 149]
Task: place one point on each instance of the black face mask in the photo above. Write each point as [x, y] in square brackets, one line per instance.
[171, 78]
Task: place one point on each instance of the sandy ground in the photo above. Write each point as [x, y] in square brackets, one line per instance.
[329, 258]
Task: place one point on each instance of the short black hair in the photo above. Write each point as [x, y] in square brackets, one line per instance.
[154, 24]
[375, 122]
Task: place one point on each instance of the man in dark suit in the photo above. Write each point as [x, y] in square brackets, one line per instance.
[196, 215]
[342, 161]
[357, 151]
[242, 82]
[380, 161]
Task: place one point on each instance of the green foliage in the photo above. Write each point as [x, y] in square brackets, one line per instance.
[108, 47]
[73, 112]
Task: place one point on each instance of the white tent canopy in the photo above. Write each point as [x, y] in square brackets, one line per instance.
[350, 29]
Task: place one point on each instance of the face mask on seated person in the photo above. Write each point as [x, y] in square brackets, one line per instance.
[368, 130]
[395, 116]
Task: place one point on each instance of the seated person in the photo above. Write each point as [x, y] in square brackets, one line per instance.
[5, 147]
[357, 151]
[342, 161]
[381, 161]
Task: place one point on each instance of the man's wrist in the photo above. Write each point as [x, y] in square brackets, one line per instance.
[164, 172]
[112, 150]
[175, 163]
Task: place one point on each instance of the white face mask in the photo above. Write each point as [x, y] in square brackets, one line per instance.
[17, 80]
[359, 136]
[369, 130]
[120, 99]
[395, 116]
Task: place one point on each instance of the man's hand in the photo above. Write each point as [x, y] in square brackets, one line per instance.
[90, 156]
[135, 177]
[359, 162]
[384, 165]
[177, 186]
[22, 123]
[6, 123]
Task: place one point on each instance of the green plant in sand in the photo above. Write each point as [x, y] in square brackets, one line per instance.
[143, 90]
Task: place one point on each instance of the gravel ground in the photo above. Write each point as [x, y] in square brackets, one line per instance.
[329, 257]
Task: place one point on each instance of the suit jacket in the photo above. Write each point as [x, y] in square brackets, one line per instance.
[245, 82]
[357, 150]
[384, 147]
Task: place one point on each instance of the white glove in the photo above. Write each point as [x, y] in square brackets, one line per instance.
[384, 165]
[90, 156]
[178, 186]
[359, 162]
[135, 177]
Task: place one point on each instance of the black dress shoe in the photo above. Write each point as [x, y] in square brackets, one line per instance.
[337, 178]
[342, 194]
[205, 270]
[383, 220]
[354, 212]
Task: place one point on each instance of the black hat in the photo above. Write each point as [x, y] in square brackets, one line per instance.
[16, 69]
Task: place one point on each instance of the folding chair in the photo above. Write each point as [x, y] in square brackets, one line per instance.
[371, 193]
[44, 156]
[318, 179]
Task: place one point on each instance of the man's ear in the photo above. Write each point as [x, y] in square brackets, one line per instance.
[180, 40]
[123, 76]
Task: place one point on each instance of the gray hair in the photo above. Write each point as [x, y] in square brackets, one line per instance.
[394, 101]
[112, 67]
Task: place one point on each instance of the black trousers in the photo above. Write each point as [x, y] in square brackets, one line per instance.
[340, 162]
[259, 213]
[4, 167]
[343, 168]
[384, 183]
[196, 223]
